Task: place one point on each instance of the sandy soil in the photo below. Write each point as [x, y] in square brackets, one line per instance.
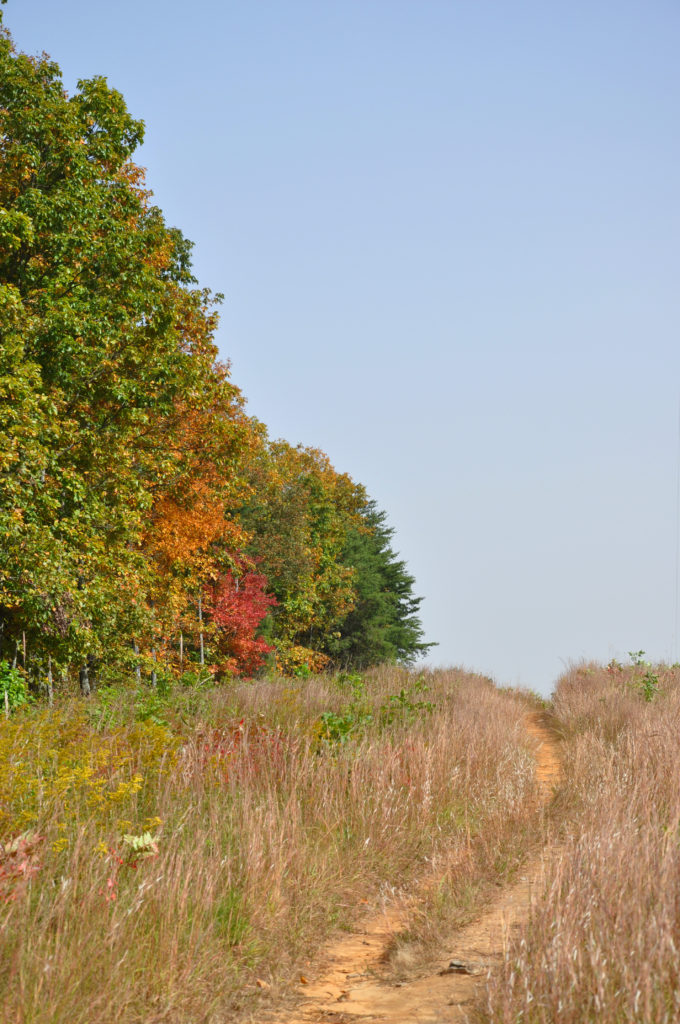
[349, 988]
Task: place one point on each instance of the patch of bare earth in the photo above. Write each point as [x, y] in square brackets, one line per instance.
[350, 988]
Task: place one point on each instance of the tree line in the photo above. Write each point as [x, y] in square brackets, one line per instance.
[148, 524]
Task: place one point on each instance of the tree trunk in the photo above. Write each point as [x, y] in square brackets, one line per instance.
[200, 622]
[84, 676]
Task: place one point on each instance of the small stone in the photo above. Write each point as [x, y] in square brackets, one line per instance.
[461, 967]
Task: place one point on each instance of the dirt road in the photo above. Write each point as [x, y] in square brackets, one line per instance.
[350, 989]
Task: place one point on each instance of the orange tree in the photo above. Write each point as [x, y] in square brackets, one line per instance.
[194, 536]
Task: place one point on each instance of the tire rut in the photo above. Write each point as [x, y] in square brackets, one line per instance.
[350, 989]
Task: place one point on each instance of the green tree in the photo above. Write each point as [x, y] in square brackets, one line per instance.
[104, 341]
[383, 625]
[298, 518]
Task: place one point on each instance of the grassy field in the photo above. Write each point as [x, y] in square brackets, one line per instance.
[603, 943]
[180, 856]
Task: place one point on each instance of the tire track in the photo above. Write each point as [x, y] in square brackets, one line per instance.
[349, 990]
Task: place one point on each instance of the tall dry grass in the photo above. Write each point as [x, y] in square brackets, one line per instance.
[603, 944]
[270, 836]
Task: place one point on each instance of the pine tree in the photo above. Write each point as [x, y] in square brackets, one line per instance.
[384, 625]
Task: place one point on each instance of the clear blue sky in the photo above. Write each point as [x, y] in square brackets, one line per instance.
[448, 236]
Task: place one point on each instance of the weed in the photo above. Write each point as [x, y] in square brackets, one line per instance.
[152, 707]
[648, 683]
[405, 706]
[18, 864]
[231, 920]
[199, 678]
[357, 714]
[142, 846]
[353, 719]
[13, 688]
[338, 728]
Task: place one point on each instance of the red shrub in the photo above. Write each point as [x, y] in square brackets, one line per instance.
[238, 605]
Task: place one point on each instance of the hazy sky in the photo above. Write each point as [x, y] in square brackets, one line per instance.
[448, 236]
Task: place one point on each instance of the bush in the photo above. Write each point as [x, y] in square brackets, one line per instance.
[13, 688]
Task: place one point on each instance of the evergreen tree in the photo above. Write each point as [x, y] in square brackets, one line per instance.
[384, 624]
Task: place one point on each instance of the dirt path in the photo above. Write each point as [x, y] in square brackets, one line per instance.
[350, 989]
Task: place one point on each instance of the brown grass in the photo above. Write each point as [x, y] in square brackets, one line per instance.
[271, 837]
[603, 943]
